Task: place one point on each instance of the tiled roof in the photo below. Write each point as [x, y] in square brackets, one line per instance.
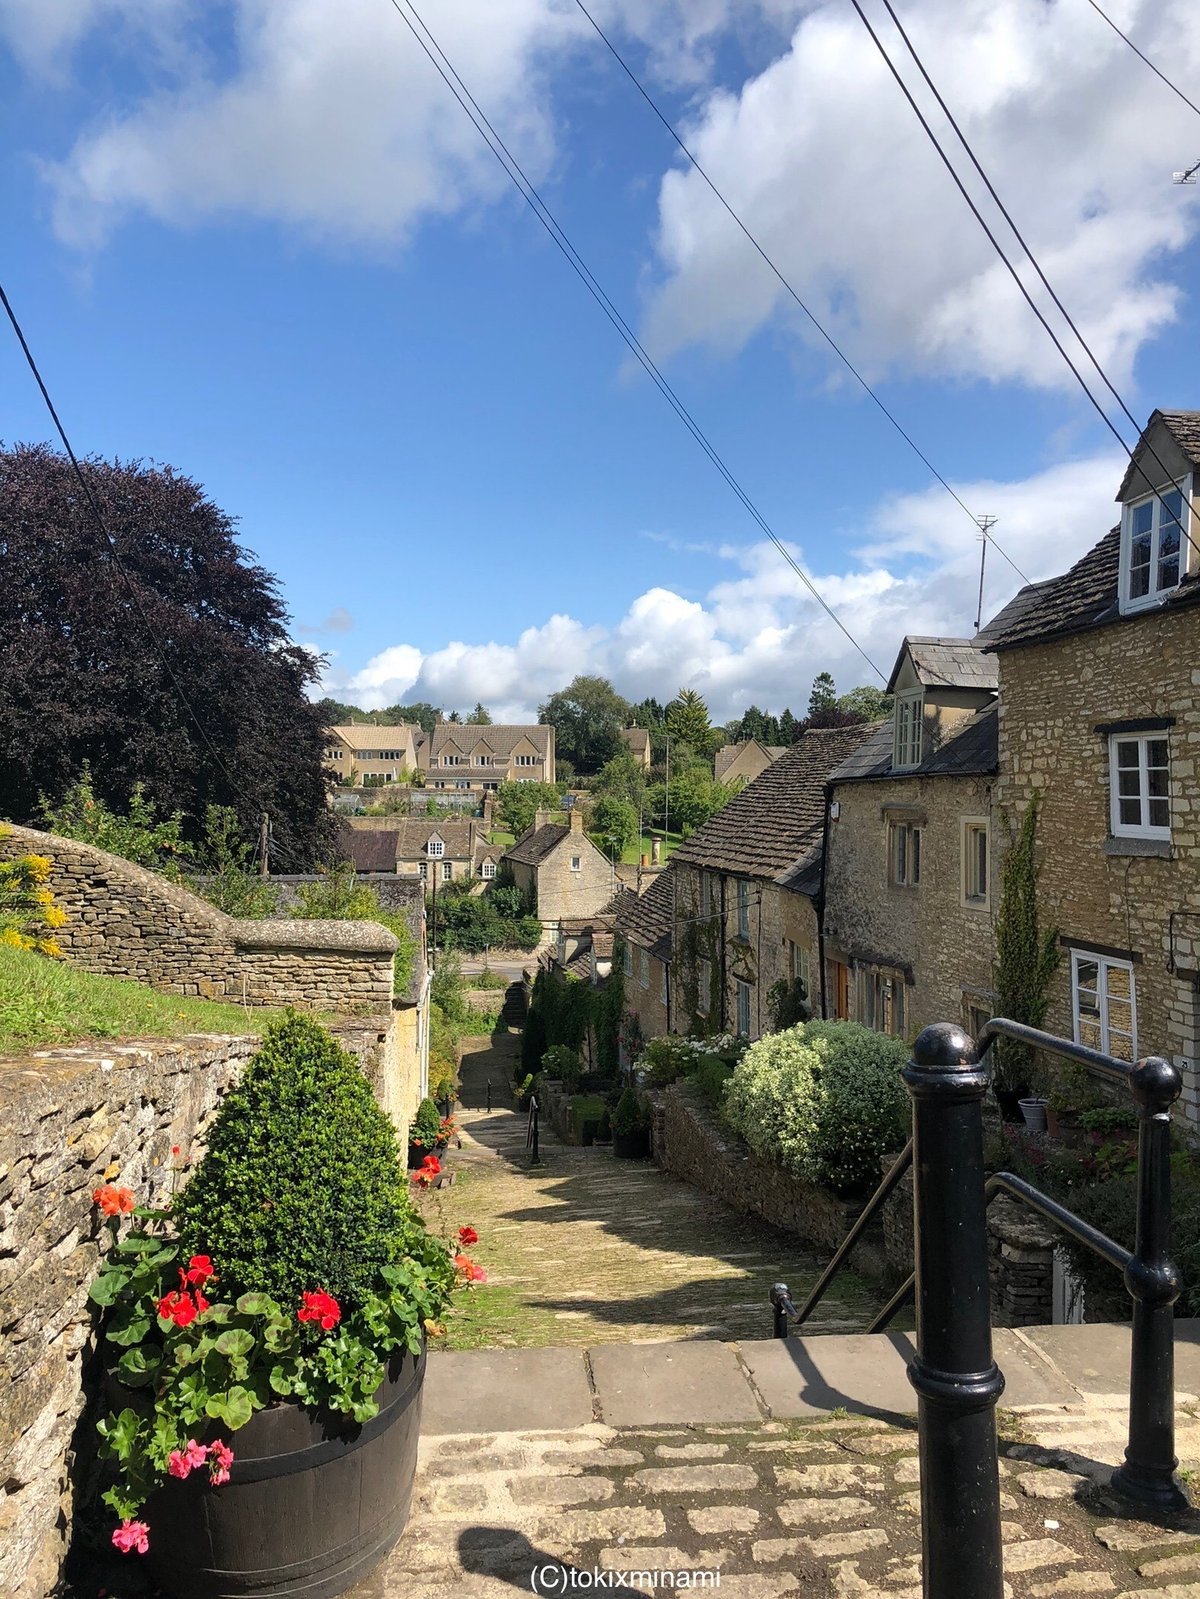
[970, 749]
[414, 835]
[375, 736]
[533, 846]
[1084, 597]
[947, 663]
[373, 851]
[500, 737]
[638, 739]
[775, 821]
[646, 919]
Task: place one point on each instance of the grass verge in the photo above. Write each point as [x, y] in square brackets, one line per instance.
[48, 1002]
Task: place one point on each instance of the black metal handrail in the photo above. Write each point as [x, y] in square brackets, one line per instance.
[531, 1131]
[954, 1373]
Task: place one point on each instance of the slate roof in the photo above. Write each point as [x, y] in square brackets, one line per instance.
[1086, 596]
[728, 754]
[947, 663]
[776, 821]
[533, 846]
[637, 738]
[970, 750]
[373, 851]
[647, 919]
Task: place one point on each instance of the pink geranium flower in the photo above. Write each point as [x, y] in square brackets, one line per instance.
[220, 1458]
[131, 1535]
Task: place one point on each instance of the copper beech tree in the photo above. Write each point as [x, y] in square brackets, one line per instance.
[179, 675]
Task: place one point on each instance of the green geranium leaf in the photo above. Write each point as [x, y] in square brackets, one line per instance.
[130, 1331]
[137, 1367]
[281, 1382]
[257, 1305]
[108, 1286]
[237, 1341]
[233, 1408]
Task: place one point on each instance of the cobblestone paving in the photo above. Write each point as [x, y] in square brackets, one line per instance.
[828, 1510]
[589, 1249]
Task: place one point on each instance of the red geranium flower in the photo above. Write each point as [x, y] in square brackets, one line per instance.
[179, 1308]
[472, 1272]
[467, 1236]
[431, 1167]
[113, 1201]
[320, 1307]
[199, 1270]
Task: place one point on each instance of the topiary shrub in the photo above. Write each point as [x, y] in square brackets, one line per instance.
[629, 1115]
[302, 1185]
[824, 1099]
[426, 1125]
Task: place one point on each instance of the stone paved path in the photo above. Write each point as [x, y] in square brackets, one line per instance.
[828, 1509]
[590, 1249]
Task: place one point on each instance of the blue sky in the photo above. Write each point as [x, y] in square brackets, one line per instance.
[259, 241]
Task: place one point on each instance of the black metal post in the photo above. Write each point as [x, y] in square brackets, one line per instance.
[534, 1157]
[489, 1093]
[1148, 1475]
[956, 1378]
[781, 1308]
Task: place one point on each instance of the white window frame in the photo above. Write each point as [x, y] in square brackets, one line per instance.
[800, 965]
[447, 871]
[973, 897]
[1104, 964]
[1155, 592]
[488, 869]
[576, 863]
[743, 908]
[1142, 828]
[435, 848]
[908, 731]
[904, 866]
[742, 1003]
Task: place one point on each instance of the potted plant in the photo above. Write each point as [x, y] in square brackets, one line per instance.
[630, 1128]
[264, 1338]
[424, 1133]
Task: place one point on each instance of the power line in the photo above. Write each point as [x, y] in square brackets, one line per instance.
[446, 71]
[114, 551]
[1174, 87]
[999, 249]
[786, 283]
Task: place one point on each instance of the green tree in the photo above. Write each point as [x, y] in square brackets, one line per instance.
[824, 694]
[517, 804]
[135, 832]
[480, 716]
[588, 717]
[687, 720]
[1026, 958]
[866, 703]
[787, 729]
[613, 819]
[625, 778]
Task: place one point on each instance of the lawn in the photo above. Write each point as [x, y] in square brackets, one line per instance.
[45, 1001]
[632, 854]
[502, 839]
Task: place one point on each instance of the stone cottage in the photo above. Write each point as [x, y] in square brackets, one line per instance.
[560, 871]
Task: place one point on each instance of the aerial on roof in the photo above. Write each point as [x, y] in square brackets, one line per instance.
[776, 821]
[947, 663]
[971, 748]
[533, 846]
[1085, 596]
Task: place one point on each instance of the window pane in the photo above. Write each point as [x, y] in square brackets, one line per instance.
[1139, 567]
[1127, 754]
[1089, 1032]
[1087, 974]
[1120, 1017]
[916, 854]
[1118, 982]
[1168, 553]
[1160, 813]
[1142, 519]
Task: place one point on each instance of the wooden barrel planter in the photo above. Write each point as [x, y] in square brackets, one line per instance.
[314, 1502]
[631, 1146]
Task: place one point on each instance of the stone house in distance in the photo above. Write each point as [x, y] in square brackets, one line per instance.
[637, 742]
[745, 886]
[464, 756]
[361, 750]
[560, 871]
[742, 763]
[1100, 716]
[644, 924]
[907, 902]
[441, 851]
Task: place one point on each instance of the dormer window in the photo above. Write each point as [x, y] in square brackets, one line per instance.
[910, 712]
[1153, 541]
[436, 847]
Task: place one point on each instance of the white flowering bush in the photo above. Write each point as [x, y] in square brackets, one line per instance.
[664, 1059]
[824, 1099]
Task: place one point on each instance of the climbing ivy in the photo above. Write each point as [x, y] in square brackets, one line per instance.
[1026, 958]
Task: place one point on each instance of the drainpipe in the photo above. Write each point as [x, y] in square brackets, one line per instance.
[820, 904]
[724, 932]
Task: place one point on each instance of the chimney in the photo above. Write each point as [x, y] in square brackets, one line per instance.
[540, 818]
[576, 818]
[656, 851]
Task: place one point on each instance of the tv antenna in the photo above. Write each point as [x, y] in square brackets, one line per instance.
[986, 524]
[1187, 176]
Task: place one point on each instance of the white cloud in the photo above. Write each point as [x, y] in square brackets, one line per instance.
[827, 165]
[759, 636]
[330, 118]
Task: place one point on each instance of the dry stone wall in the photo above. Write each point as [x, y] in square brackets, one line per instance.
[71, 1118]
[124, 921]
